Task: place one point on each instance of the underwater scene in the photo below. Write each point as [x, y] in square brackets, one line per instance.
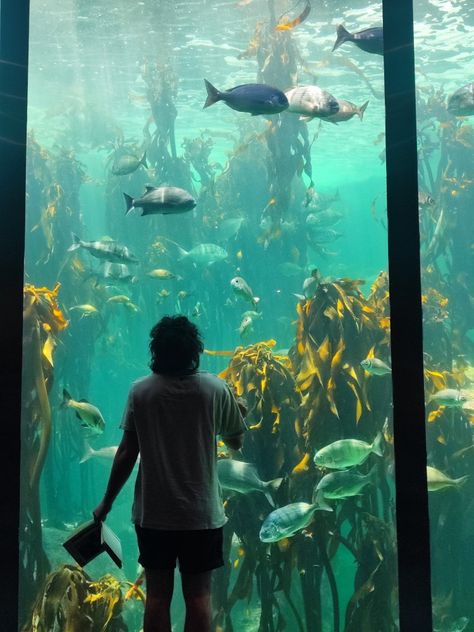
[226, 161]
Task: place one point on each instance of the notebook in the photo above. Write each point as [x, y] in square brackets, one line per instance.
[90, 540]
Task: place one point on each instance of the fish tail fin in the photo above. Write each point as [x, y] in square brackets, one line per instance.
[182, 253]
[255, 300]
[268, 496]
[76, 243]
[372, 474]
[88, 452]
[213, 94]
[343, 35]
[66, 398]
[460, 481]
[128, 202]
[361, 110]
[143, 160]
[320, 502]
[377, 446]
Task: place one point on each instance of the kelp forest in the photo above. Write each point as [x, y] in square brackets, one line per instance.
[310, 357]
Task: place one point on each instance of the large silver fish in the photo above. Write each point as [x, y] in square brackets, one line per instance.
[105, 249]
[311, 102]
[243, 478]
[344, 484]
[164, 200]
[286, 521]
[126, 163]
[348, 453]
[450, 397]
[203, 254]
[438, 480]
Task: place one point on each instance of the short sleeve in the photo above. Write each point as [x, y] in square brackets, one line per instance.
[230, 421]
[128, 418]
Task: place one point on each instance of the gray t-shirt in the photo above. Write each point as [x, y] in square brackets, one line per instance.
[177, 420]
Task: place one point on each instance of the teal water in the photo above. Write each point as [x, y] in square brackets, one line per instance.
[95, 72]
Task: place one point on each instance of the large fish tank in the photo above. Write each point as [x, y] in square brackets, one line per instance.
[300, 210]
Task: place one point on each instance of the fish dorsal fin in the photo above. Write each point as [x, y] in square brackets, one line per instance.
[149, 188]
[83, 401]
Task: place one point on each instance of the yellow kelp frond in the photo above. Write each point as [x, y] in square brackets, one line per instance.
[288, 25]
[46, 305]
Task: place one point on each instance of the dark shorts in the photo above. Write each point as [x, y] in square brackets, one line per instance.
[196, 551]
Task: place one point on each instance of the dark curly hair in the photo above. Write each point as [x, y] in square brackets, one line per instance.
[175, 346]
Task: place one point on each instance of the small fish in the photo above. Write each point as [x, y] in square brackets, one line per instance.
[368, 40]
[461, 103]
[104, 455]
[243, 478]
[183, 294]
[346, 111]
[339, 485]
[253, 315]
[286, 521]
[438, 480]
[90, 415]
[310, 285]
[197, 310]
[86, 309]
[374, 366]
[246, 326]
[229, 228]
[105, 249]
[119, 298]
[126, 164]
[323, 235]
[243, 289]
[311, 102]
[161, 273]
[163, 293]
[254, 98]
[204, 254]
[425, 199]
[164, 200]
[118, 272]
[348, 453]
[329, 217]
[450, 397]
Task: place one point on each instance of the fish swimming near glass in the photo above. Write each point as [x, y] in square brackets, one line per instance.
[286, 521]
[104, 455]
[437, 480]
[243, 478]
[345, 484]
[450, 397]
[375, 366]
[243, 289]
[461, 103]
[346, 111]
[368, 40]
[347, 453]
[88, 414]
[161, 200]
[104, 249]
[311, 102]
[126, 164]
[254, 98]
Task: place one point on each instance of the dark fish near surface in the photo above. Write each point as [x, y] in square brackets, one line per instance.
[370, 40]
[311, 102]
[164, 200]
[127, 163]
[346, 111]
[461, 103]
[108, 250]
[254, 98]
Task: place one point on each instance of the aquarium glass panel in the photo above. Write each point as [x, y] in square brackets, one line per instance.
[226, 161]
[445, 109]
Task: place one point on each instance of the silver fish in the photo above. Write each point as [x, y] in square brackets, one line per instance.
[89, 415]
[311, 102]
[246, 326]
[243, 289]
[126, 163]
[164, 200]
[203, 254]
[104, 455]
[461, 103]
[243, 478]
[286, 521]
[450, 397]
[329, 217]
[438, 480]
[375, 366]
[105, 249]
[344, 484]
[348, 453]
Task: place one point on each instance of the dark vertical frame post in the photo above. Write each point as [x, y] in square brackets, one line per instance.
[406, 319]
[14, 20]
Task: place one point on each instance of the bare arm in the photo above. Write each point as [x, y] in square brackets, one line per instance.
[122, 467]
